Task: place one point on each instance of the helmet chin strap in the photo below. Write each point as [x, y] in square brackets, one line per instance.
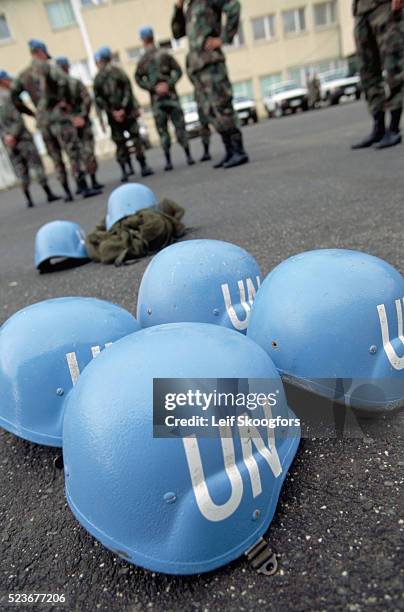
[262, 559]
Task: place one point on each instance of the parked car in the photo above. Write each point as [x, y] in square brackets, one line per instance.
[144, 135]
[246, 109]
[286, 97]
[338, 83]
[192, 123]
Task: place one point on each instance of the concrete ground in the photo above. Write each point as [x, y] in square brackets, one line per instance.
[338, 526]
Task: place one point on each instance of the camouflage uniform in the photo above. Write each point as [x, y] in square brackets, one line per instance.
[203, 120]
[24, 155]
[113, 91]
[379, 36]
[157, 66]
[49, 91]
[81, 108]
[200, 20]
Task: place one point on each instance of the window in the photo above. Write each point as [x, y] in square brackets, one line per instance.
[266, 82]
[187, 99]
[300, 73]
[81, 70]
[243, 89]
[239, 39]
[92, 2]
[5, 33]
[263, 27]
[294, 21]
[134, 53]
[325, 13]
[60, 14]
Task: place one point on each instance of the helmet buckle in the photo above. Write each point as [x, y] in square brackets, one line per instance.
[262, 558]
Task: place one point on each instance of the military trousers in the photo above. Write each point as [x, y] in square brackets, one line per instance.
[379, 36]
[215, 94]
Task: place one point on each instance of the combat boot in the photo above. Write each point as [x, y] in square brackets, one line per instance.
[125, 175]
[169, 165]
[94, 183]
[145, 169]
[131, 171]
[239, 156]
[86, 191]
[50, 196]
[228, 151]
[392, 136]
[376, 134]
[390, 139]
[206, 153]
[68, 194]
[189, 158]
[30, 203]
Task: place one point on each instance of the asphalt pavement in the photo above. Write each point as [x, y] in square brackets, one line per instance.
[339, 523]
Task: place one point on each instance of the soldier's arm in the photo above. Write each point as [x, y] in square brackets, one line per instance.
[24, 109]
[11, 122]
[232, 10]
[178, 21]
[86, 101]
[142, 78]
[175, 71]
[15, 96]
[98, 97]
[128, 98]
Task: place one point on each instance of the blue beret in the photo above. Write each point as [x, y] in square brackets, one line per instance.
[38, 45]
[5, 76]
[103, 53]
[146, 32]
[62, 61]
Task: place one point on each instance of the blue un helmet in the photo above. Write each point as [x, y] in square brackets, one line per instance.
[205, 281]
[43, 349]
[59, 240]
[127, 200]
[332, 321]
[178, 504]
[103, 54]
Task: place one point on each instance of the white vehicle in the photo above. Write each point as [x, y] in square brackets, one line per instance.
[286, 97]
[338, 83]
[246, 109]
[192, 123]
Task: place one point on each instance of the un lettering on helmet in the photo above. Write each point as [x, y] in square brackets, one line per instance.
[205, 281]
[332, 321]
[43, 350]
[182, 504]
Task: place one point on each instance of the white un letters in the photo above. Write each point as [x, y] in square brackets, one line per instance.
[396, 361]
[73, 365]
[246, 301]
[249, 437]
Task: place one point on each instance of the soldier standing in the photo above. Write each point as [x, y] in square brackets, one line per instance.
[158, 72]
[201, 22]
[203, 120]
[49, 91]
[114, 95]
[82, 103]
[379, 36]
[314, 89]
[19, 143]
